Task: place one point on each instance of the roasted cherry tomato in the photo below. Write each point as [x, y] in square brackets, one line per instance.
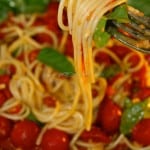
[140, 76]
[2, 98]
[49, 101]
[54, 139]
[134, 60]
[5, 127]
[43, 38]
[95, 134]
[113, 79]
[109, 116]
[7, 93]
[104, 58]
[11, 70]
[121, 146]
[120, 51]
[24, 134]
[141, 132]
[6, 144]
[142, 93]
[33, 55]
[69, 47]
[4, 79]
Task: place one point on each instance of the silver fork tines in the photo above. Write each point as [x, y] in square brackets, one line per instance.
[135, 34]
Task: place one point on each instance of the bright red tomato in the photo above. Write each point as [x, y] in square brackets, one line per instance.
[140, 76]
[49, 101]
[55, 139]
[109, 116]
[142, 93]
[2, 98]
[5, 127]
[113, 79]
[7, 92]
[141, 132]
[33, 55]
[6, 145]
[43, 38]
[120, 51]
[134, 60]
[4, 79]
[121, 147]
[69, 47]
[95, 134]
[11, 70]
[2, 35]
[103, 57]
[24, 134]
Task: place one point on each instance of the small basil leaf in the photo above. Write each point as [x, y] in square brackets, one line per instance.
[31, 6]
[5, 8]
[142, 5]
[101, 37]
[120, 14]
[32, 117]
[2, 71]
[110, 71]
[56, 60]
[21, 6]
[132, 115]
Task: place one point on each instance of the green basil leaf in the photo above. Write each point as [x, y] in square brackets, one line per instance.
[132, 115]
[110, 71]
[119, 14]
[31, 6]
[32, 117]
[101, 37]
[5, 7]
[56, 60]
[21, 6]
[2, 71]
[142, 5]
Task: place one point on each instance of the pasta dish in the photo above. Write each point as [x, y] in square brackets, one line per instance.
[59, 91]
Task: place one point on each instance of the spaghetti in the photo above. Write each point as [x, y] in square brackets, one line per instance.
[84, 109]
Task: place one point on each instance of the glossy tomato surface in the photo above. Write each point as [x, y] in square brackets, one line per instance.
[24, 134]
[54, 139]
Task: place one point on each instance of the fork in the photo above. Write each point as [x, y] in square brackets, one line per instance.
[135, 34]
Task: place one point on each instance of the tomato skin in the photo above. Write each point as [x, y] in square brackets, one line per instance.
[7, 93]
[141, 132]
[49, 101]
[113, 79]
[54, 139]
[4, 79]
[142, 93]
[109, 116]
[134, 60]
[140, 76]
[33, 55]
[6, 144]
[2, 98]
[43, 38]
[95, 134]
[5, 127]
[69, 47]
[102, 57]
[121, 147]
[24, 134]
[11, 70]
[120, 51]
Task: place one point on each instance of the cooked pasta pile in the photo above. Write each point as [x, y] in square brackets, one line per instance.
[74, 104]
